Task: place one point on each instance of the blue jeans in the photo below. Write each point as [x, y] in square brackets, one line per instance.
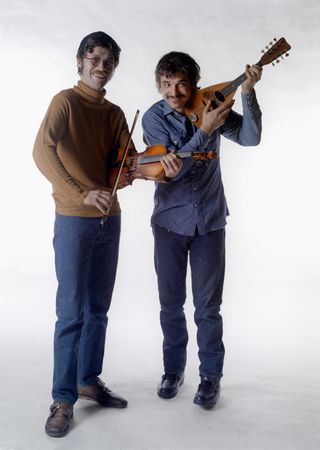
[207, 262]
[86, 256]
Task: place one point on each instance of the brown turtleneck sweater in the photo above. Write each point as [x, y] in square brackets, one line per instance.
[79, 131]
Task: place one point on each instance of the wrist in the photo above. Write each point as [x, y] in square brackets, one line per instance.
[246, 91]
[206, 131]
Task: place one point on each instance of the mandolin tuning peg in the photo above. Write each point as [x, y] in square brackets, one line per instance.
[277, 61]
[270, 43]
[287, 54]
[275, 39]
[262, 51]
[266, 47]
[273, 64]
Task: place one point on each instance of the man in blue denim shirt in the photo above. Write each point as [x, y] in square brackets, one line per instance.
[189, 218]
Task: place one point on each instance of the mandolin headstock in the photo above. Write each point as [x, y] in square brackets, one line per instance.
[278, 48]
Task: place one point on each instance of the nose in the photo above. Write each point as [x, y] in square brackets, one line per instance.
[174, 89]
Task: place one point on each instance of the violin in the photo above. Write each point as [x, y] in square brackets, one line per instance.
[146, 165]
[221, 92]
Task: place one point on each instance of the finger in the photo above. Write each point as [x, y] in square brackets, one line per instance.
[171, 157]
[248, 70]
[254, 71]
[256, 67]
[164, 159]
[175, 161]
[226, 106]
[104, 194]
[168, 165]
[207, 107]
[101, 208]
[104, 198]
[257, 72]
[174, 166]
[164, 166]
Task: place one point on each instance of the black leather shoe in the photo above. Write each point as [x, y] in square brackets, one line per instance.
[169, 385]
[208, 392]
[57, 424]
[100, 394]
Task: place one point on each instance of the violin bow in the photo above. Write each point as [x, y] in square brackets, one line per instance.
[125, 153]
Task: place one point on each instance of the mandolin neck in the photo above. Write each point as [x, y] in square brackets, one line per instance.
[233, 86]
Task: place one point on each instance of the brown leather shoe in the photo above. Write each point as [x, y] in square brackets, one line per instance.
[57, 424]
[100, 394]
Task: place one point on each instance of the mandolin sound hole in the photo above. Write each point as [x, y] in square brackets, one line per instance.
[219, 96]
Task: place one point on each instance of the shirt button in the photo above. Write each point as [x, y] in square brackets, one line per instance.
[195, 189]
[196, 205]
[198, 163]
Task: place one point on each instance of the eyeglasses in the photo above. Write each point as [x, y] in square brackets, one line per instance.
[96, 60]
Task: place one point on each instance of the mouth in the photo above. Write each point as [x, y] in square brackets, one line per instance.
[99, 75]
[176, 98]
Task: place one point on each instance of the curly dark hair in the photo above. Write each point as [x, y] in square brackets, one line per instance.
[178, 62]
[99, 39]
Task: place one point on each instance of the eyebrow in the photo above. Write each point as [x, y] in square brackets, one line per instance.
[169, 80]
[100, 56]
[105, 59]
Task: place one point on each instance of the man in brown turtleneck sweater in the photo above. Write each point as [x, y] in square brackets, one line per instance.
[77, 135]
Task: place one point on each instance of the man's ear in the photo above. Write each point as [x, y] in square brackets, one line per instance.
[79, 65]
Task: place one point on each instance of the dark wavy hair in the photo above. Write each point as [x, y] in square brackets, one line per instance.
[99, 39]
[178, 62]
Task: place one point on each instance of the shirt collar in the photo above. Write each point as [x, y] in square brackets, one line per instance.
[168, 110]
[90, 94]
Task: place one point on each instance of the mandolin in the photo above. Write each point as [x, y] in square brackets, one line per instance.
[218, 93]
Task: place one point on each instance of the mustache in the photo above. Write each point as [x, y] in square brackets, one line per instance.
[177, 96]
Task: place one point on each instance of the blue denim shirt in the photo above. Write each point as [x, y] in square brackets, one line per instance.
[195, 197]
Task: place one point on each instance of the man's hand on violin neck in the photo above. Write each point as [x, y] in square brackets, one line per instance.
[171, 164]
[253, 73]
[212, 119]
[100, 199]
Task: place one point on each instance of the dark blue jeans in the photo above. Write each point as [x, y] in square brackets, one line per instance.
[86, 255]
[207, 262]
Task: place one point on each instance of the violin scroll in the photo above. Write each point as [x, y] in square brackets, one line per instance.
[204, 156]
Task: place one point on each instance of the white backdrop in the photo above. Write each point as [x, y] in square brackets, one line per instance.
[271, 301]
